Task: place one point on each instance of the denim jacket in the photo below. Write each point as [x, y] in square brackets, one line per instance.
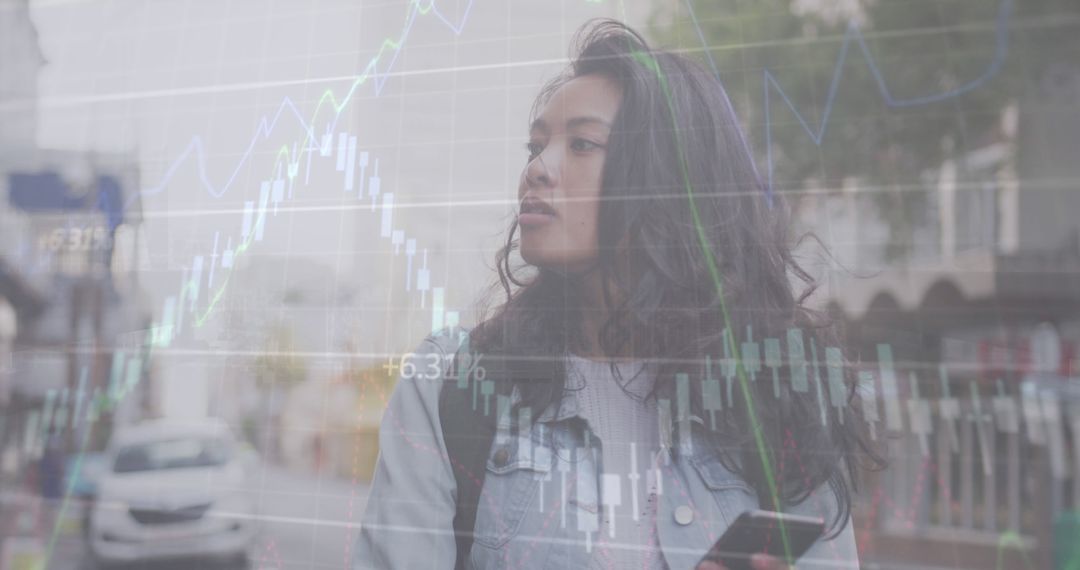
[539, 492]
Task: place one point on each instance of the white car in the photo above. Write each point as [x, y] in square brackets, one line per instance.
[173, 489]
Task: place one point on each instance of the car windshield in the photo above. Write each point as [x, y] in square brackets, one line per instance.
[172, 454]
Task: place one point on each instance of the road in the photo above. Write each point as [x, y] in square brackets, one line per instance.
[305, 523]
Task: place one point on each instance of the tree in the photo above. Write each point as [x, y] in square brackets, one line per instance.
[877, 89]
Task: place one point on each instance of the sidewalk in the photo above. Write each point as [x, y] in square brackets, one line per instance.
[27, 528]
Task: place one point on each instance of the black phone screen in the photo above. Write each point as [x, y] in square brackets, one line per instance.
[760, 531]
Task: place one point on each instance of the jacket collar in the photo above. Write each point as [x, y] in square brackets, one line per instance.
[566, 408]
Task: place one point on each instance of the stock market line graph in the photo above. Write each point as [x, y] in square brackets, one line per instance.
[306, 192]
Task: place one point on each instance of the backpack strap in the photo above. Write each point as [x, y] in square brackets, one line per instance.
[468, 434]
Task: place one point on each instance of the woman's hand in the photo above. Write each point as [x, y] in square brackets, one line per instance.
[757, 562]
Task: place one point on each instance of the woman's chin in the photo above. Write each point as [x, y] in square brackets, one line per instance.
[541, 259]
[533, 257]
[556, 264]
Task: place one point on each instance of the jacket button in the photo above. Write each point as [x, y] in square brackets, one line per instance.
[502, 457]
[684, 515]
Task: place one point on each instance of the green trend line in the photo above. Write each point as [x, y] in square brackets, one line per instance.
[67, 495]
[95, 407]
[649, 62]
[292, 163]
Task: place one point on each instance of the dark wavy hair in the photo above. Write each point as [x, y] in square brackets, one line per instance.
[708, 251]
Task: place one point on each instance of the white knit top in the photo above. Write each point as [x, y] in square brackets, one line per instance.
[628, 428]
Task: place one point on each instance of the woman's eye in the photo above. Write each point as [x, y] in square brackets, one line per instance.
[582, 145]
[534, 149]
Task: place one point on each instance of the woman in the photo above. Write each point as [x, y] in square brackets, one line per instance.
[633, 413]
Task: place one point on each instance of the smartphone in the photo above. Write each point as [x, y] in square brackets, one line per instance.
[763, 531]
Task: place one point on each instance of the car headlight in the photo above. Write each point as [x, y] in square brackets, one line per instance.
[109, 509]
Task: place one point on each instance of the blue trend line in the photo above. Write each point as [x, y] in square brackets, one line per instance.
[854, 33]
[266, 126]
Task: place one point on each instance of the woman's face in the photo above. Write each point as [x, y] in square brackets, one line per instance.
[559, 192]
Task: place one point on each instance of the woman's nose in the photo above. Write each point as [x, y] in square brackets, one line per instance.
[544, 169]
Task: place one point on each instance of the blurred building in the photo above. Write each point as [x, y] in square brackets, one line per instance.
[70, 231]
[982, 308]
[22, 59]
[320, 429]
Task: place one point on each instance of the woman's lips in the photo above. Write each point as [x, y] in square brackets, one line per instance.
[534, 218]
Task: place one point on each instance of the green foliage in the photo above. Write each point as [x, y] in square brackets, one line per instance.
[920, 47]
